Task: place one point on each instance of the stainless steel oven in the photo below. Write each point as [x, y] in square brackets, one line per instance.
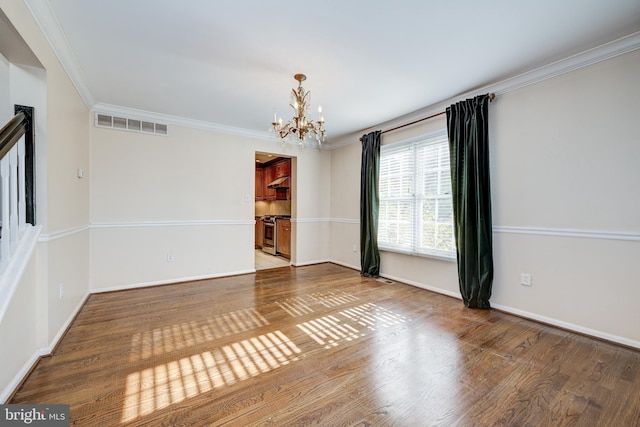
[269, 235]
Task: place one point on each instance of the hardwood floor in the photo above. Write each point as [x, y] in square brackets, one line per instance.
[321, 345]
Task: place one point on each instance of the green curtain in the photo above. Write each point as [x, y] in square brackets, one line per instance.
[369, 203]
[467, 125]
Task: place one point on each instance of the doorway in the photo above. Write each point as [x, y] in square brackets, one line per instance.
[274, 195]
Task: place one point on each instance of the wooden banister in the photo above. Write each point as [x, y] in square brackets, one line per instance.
[12, 132]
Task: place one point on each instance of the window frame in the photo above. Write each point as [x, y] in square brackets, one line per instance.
[416, 199]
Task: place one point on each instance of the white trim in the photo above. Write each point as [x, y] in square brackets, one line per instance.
[15, 382]
[528, 315]
[601, 53]
[440, 257]
[44, 16]
[535, 231]
[302, 264]
[170, 281]
[541, 231]
[345, 221]
[423, 286]
[592, 56]
[18, 261]
[568, 326]
[134, 113]
[344, 264]
[310, 220]
[171, 223]
[560, 232]
[52, 31]
[60, 234]
[63, 329]
[68, 232]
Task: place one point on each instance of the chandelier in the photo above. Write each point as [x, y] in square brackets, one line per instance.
[299, 126]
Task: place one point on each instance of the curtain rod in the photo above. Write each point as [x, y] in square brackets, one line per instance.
[491, 98]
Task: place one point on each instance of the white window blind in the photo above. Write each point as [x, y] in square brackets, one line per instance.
[416, 211]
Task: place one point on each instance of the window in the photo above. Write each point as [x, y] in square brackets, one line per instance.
[416, 209]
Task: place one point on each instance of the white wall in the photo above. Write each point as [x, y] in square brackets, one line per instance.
[20, 336]
[5, 105]
[190, 194]
[565, 155]
[36, 317]
[345, 205]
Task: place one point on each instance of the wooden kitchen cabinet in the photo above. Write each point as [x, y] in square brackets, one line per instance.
[283, 168]
[266, 174]
[259, 233]
[283, 230]
[260, 184]
[269, 177]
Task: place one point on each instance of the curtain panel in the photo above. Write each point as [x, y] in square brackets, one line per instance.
[369, 204]
[468, 130]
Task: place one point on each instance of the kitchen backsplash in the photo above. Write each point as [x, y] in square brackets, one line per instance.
[276, 207]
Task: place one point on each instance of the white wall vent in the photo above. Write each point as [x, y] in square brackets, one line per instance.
[123, 123]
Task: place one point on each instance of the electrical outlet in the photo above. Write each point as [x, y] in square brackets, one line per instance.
[170, 257]
[355, 247]
[61, 290]
[526, 279]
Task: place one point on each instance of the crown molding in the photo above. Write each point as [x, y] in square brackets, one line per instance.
[44, 16]
[52, 30]
[592, 56]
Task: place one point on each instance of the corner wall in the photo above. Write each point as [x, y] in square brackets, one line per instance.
[36, 316]
[564, 171]
[191, 195]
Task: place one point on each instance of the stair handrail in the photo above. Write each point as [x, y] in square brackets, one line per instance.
[12, 132]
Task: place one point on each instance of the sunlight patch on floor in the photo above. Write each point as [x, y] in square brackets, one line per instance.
[372, 316]
[170, 338]
[302, 305]
[328, 331]
[166, 384]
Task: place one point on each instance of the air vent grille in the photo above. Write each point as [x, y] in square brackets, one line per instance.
[123, 123]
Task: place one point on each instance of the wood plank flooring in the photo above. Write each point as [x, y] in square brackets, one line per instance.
[321, 345]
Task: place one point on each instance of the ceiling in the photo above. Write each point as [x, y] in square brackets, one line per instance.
[231, 62]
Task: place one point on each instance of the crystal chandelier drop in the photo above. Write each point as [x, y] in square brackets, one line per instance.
[299, 126]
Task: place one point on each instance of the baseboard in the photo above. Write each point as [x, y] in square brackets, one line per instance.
[169, 281]
[302, 264]
[344, 264]
[65, 326]
[21, 375]
[12, 387]
[531, 316]
[569, 326]
[423, 286]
